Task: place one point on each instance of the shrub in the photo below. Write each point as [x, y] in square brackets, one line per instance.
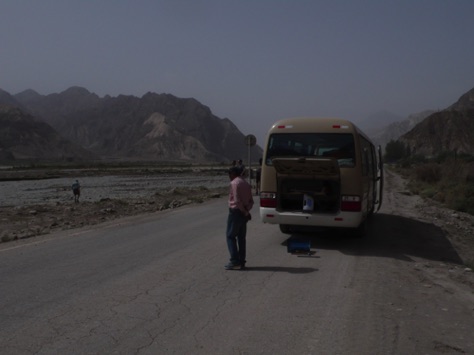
[428, 192]
[6, 238]
[450, 182]
[429, 173]
[462, 198]
[395, 150]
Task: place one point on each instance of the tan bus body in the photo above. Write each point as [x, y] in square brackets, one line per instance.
[319, 172]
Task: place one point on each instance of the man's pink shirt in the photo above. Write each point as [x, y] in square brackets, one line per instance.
[240, 195]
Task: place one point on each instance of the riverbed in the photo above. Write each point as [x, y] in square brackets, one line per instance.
[96, 188]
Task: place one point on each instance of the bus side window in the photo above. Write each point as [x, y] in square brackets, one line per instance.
[372, 162]
[364, 162]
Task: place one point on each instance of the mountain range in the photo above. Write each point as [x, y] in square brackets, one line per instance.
[394, 130]
[23, 137]
[429, 132]
[154, 127]
[450, 130]
[79, 125]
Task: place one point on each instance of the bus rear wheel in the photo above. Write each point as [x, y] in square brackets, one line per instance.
[285, 228]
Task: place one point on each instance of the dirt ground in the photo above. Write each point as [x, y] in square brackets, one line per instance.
[38, 204]
[457, 226]
[30, 221]
[447, 256]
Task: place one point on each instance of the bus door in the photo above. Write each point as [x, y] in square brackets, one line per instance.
[380, 178]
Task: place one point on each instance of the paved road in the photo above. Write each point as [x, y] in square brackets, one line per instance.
[156, 285]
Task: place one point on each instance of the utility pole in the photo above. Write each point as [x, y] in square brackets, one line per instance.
[250, 141]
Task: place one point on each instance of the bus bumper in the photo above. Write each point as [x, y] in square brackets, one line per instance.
[338, 220]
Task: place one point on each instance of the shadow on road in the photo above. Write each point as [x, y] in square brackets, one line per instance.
[290, 270]
[390, 236]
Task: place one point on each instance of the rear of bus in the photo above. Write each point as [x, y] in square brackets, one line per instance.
[312, 175]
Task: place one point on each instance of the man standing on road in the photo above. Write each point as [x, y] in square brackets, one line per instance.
[240, 204]
[241, 166]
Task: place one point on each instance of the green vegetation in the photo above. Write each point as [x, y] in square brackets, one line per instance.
[447, 177]
[395, 151]
[6, 239]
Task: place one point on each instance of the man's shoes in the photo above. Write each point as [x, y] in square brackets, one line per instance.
[232, 266]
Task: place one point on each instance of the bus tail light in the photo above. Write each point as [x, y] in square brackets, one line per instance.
[351, 203]
[268, 199]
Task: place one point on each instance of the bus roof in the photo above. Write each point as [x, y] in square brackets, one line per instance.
[315, 124]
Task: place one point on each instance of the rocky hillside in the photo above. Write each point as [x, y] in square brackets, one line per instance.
[153, 127]
[442, 131]
[23, 137]
[465, 102]
[7, 99]
[395, 130]
[448, 130]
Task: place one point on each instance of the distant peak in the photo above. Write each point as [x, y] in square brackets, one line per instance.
[28, 92]
[76, 90]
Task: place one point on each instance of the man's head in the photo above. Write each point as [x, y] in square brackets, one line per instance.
[234, 172]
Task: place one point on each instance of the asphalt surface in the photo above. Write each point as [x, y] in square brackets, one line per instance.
[156, 284]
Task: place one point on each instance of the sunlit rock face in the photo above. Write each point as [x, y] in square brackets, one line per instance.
[153, 127]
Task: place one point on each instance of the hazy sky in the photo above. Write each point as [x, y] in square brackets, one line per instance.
[252, 61]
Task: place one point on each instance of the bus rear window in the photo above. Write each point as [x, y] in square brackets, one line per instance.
[321, 145]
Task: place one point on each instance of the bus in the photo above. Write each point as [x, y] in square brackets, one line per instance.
[319, 172]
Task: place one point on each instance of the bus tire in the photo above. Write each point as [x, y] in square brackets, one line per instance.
[285, 228]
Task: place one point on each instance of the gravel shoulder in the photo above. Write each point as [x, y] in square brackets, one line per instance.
[440, 241]
[458, 227]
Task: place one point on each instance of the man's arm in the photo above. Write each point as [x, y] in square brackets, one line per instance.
[240, 197]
